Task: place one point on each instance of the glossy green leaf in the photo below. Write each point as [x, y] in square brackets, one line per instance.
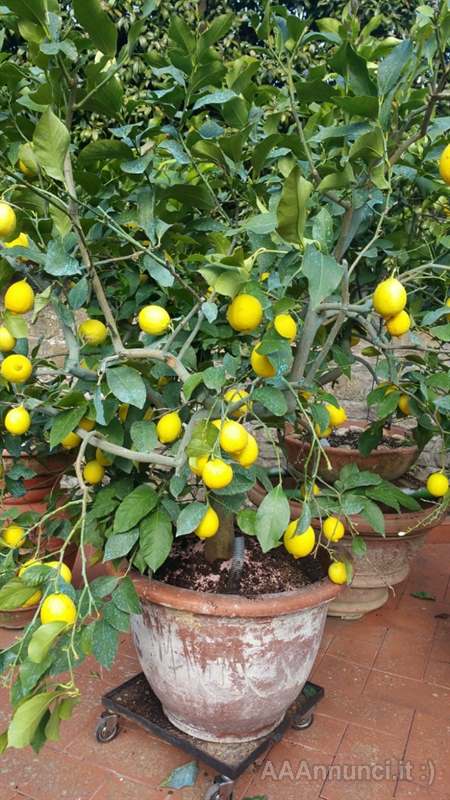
[98, 24]
[134, 507]
[51, 143]
[324, 274]
[272, 518]
[292, 208]
[127, 384]
[156, 538]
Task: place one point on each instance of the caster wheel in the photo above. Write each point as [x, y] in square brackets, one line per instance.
[222, 789]
[302, 723]
[107, 728]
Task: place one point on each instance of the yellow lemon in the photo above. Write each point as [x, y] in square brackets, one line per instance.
[264, 276]
[261, 364]
[70, 441]
[33, 600]
[86, 424]
[7, 340]
[399, 324]
[285, 326]
[8, 220]
[209, 525]
[307, 491]
[322, 433]
[233, 396]
[102, 458]
[244, 313]
[233, 436]
[444, 164]
[154, 320]
[305, 395]
[26, 170]
[337, 415]
[93, 331]
[16, 368]
[13, 535]
[437, 484]
[197, 464]
[403, 404]
[19, 298]
[337, 572]
[169, 427]
[447, 303]
[21, 241]
[17, 421]
[93, 472]
[217, 474]
[58, 608]
[217, 423]
[63, 569]
[249, 454]
[299, 545]
[333, 529]
[389, 297]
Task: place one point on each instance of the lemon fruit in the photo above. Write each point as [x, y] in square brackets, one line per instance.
[93, 472]
[197, 464]
[63, 569]
[333, 529]
[244, 313]
[93, 331]
[58, 608]
[444, 164]
[70, 441]
[217, 423]
[86, 424]
[102, 458]
[337, 572]
[169, 427]
[389, 297]
[17, 421]
[399, 324]
[337, 415]
[19, 298]
[21, 241]
[33, 600]
[26, 170]
[16, 368]
[217, 474]
[233, 396]
[8, 220]
[233, 436]
[285, 326]
[307, 491]
[264, 276]
[154, 320]
[249, 454]
[208, 526]
[322, 433]
[301, 544]
[403, 404]
[7, 340]
[437, 484]
[13, 536]
[261, 364]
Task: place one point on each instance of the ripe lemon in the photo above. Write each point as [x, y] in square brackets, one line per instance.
[26, 170]
[400, 324]
[389, 297]
[154, 320]
[322, 433]
[249, 454]
[337, 572]
[16, 368]
[299, 545]
[63, 569]
[86, 424]
[93, 331]
[8, 220]
[305, 395]
[58, 608]
[437, 484]
[244, 313]
[233, 396]
[19, 298]
[444, 164]
[233, 436]
[261, 364]
[217, 474]
[102, 458]
[337, 415]
[33, 600]
[209, 525]
[403, 404]
[70, 441]
[197, 464]
[285, 326]
[333, 529]
[13, 535]
[21, 241]
[169, 427]
[264, 276]
[17, 421]
[217, 423]
[7, 340]
[307, 491]
[93, 472]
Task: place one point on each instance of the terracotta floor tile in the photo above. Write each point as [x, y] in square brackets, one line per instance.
[440, 649]
[324, 734]
[378, 715]
[121, 788]
[416, 615]
[409, 693]
[49, 776]
[7, 637]
[16, 766]
[438, 672]
[340, 674]
[412, 791]
[360, 646]
[290, 772]
[403, 653]
[429, 751]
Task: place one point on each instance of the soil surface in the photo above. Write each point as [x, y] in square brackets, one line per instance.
[263, 573]
[350, 440]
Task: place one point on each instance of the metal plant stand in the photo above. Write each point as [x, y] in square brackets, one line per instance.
[135, 701]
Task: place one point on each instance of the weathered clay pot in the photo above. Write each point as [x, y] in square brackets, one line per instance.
[389, 463]
[49, 469]
[226, 668]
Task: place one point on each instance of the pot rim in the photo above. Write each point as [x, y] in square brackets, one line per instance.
[358, 423]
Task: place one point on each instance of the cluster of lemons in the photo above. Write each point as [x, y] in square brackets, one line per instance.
[337, 415]
[389, 300]
[301, 543]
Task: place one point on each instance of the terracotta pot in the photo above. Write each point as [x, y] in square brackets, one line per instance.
[49, 469]
[226, 668]
[389, 463]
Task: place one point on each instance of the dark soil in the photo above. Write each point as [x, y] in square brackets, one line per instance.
[350, 439]
[263, 573]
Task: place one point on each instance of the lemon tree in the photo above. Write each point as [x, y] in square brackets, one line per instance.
[216, 252]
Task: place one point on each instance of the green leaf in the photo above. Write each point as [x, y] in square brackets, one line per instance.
[358, 106]
[105, 642]
[190, 517]
[65, 423]
[292, 208]
[337, 180]
[191, 384]
[134, 507]
[30, 10]
[324, 274]
[214, 378]
[120, 544]
[272, 399]
[186, 775]
[217, 30]
[14, 594]
[203, 439]
[262, 223]
[392, 68]
[423, 596]
[104, 150]
[246, 521]
[43, 639]
[16, 325]
[143, 436]
[127, 385]
[373, 515]
[156, 538]
[79, 294]
[98, 24]
[103, 586]
[52, 726]
[118, 619]
[27, 717]
[51, 141]
[441, 332]
[359, 547]
[215, 98]
[126, 598]
[272, 518]
[323, 230]
[160, 274]
[60, 263]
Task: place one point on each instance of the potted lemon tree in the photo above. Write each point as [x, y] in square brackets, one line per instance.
[208, 255]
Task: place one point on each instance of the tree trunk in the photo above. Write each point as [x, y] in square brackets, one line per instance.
[220, 546]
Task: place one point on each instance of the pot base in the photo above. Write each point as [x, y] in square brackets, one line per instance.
[354, 603]
[206, 736]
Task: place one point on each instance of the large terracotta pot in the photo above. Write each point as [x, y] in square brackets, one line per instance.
[226, 668]
[49, 469]
[390, 463]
